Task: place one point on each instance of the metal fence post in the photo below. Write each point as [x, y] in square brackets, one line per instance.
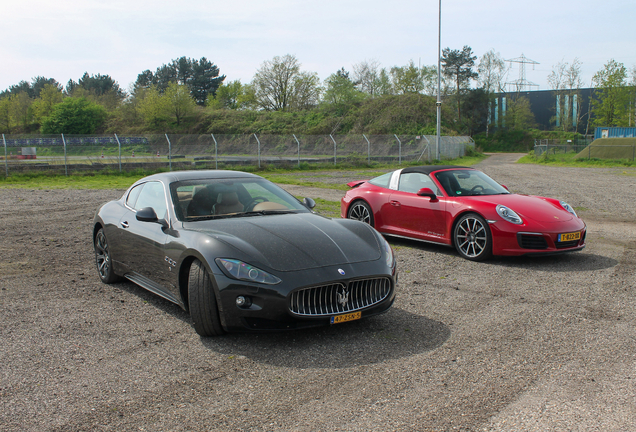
[65, 163]
[368, 150]
[6, 159]
[119, 147]
[334, 149]
[297, 142]
[169, 153]
[259, 150]
[399, 149]
[216, 153]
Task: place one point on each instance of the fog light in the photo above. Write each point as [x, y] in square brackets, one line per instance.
[241, 301]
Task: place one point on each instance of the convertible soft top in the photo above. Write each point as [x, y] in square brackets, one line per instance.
[427, 169]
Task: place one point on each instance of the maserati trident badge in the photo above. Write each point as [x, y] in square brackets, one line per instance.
[341, 271]
[343, 298]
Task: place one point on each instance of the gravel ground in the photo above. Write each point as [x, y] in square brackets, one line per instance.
[507, 345]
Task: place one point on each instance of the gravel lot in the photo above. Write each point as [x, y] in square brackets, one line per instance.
[507, 345]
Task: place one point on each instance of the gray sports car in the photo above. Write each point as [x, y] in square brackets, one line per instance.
[240, 253]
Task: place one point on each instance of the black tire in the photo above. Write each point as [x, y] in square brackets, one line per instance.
[361, 211]
[103, 259]
[202, 301]
[472, 238]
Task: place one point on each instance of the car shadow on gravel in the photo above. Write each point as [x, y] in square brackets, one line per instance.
[570, 262]
[395, 334]
[566, 262]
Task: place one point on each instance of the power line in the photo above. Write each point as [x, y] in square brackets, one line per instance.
[522, 83]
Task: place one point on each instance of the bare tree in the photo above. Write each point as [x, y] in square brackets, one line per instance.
[492, 72]
[566, 81]
[492, 77]
[366, 76]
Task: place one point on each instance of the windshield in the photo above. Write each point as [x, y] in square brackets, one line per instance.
[468, 183]
[221, 198]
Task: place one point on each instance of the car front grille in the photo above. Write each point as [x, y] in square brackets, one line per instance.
[339, 297]
[532, 241]
[567, 244]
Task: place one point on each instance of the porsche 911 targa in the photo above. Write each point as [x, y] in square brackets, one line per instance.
[463, 207]
[240, 253]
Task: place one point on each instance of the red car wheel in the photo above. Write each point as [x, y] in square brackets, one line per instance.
[472, 238]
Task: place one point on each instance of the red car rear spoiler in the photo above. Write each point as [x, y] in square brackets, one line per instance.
[355, 184]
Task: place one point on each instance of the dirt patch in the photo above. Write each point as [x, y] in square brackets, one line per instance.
[510, 344]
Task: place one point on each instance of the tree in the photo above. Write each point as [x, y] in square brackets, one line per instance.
[412, 79]
[492, 72]
[306, 91]
[458, 65]
[180, 104]
[205, 80]
[20, 109]
[152, 107]
[519, 115]
[279, 85]
[97, 85]
[75, 116]
[341, 91]
[200, 76]
[366, 76]
[492, 77]
[565, 79]
[611, 104]
[232, 95]
[5, 115]
[50, 95]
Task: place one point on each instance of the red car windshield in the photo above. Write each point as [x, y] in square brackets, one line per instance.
[468, 183]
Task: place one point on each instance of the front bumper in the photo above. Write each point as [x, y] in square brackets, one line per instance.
[268, 306]
[514, 240]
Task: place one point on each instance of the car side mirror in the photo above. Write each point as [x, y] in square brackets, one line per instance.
[309, 203]
[148, 214]
[428, 192]
[505, 187]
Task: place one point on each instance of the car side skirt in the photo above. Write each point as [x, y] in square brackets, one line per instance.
[151, 286]
[416, 239]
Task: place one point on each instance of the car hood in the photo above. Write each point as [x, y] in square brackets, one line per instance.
[537, 208]
[292, 242]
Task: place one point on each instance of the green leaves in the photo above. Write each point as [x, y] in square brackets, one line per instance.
[74, 116]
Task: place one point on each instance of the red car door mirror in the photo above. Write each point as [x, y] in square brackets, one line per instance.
[427, 192]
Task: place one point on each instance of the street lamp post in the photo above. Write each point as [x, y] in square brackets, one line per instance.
[439, 80]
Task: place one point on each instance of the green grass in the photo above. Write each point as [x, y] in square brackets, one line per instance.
[571, 160]
[87, 181]
[327, 208]
[117, 180]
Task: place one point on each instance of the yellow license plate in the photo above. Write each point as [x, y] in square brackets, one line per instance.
[569, 236]
[346, 317]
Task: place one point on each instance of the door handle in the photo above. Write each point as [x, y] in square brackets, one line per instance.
[395, 203]
[124, 224]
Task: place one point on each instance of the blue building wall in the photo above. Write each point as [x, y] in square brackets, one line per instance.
[545, 104]
[615, 132]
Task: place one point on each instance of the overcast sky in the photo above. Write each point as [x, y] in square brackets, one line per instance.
[62, 39]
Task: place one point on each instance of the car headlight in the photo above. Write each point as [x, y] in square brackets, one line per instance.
[242, 271]
[509, 215]
[390, 258]
[568, 207]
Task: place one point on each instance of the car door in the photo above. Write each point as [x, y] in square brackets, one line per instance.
[411, 215]
[143, 243]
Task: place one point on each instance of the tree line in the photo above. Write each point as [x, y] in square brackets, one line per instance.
[191, 95]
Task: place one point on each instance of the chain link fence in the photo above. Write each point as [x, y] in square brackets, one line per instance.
[65, 154]
[584, 149]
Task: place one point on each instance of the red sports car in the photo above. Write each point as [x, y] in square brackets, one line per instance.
[463, 207]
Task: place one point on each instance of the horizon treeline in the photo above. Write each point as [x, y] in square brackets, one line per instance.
[192, 96]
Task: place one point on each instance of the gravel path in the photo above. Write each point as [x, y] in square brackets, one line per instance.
[507, 345]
